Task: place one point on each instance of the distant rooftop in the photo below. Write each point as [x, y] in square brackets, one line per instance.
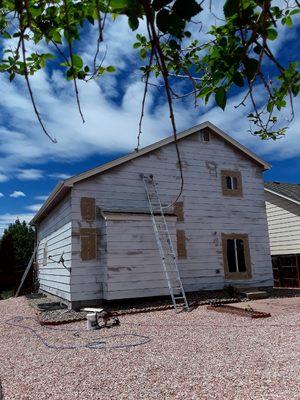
[291, 190]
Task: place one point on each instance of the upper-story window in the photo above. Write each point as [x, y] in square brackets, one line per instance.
[231, 183]
[205, 136]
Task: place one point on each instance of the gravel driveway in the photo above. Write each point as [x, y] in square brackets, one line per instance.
[160, 355]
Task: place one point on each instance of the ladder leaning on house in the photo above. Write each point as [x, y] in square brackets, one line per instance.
[165, 244]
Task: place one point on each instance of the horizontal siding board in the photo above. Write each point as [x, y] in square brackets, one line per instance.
[284, 225]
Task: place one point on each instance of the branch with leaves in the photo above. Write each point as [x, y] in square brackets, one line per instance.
[235, 56]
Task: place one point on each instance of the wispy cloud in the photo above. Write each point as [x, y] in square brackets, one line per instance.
[110, 126]
[41, 197]
[30, 174]
[34, 207]
[1, 194]
[3, 178]
[17, 193]
[58, 175]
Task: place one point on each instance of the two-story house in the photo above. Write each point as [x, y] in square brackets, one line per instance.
[96, 238]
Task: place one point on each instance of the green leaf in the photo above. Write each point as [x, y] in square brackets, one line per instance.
[251, 67]
[231, 7]
[158, 4]
[119, 4]
[271, 34]
[56, 36]
[294, 12]
[110, 68]
[136, 45]
[162, 20]
[238, 79]
[133, 22]
[6, 35]
[143, 53]
[186, 9]
[77, 61]
[221, 97]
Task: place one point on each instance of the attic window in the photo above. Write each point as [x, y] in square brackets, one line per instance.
[231, 183]
[205, 136]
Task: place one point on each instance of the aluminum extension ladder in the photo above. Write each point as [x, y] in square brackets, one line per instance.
[165, 245]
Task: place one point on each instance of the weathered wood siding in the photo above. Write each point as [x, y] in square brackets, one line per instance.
[133, 262]
[88, 277]
[207, 213]
[284, 225]
[55, 233]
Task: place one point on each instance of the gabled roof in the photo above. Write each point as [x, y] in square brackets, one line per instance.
[63, 187]
[288, 191]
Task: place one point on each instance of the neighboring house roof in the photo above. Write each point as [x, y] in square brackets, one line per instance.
[288, 191]
[63, 187]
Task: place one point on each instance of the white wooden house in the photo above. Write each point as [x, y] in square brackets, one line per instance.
[98, 222]
[283, 213]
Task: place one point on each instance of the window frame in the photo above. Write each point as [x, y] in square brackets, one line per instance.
[237, 275]
[231, 192]
[205, 132]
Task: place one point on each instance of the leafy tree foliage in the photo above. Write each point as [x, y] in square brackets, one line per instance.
[15, 251]
[233, 54]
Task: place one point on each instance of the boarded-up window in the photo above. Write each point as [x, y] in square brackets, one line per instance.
[178, 211]
[236, 255]
[88, 240]
[88, 208]
[181, 244]
[232, 183]
[45, 255]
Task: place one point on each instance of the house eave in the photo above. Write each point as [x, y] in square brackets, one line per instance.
[282, 196]
[58, 193]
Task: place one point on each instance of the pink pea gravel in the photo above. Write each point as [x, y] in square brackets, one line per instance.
[198, 355]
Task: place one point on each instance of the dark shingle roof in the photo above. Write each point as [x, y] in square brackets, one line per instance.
[291, 190]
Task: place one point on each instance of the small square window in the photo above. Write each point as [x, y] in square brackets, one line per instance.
[231, 183]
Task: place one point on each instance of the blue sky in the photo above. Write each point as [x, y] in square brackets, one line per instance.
[30, 165]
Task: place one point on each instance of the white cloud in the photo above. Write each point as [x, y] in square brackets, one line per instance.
[34, 207]
[6, 219]
[30, 174]
[3, 178]
[17, 193]
[41, 197]
[110, 126]
[58, 175]
[1, 194]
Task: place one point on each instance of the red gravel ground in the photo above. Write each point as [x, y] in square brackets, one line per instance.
[198, 355]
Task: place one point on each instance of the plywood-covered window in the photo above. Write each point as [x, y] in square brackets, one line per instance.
[236, 255]
[181, 244]
[88, 208]
[232, 183]
[88, 244]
